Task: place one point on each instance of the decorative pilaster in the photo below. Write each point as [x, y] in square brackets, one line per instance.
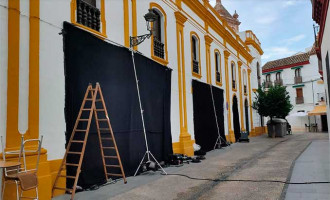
[239, 63]
[185, 145]
[230, 130]
[250, 100]
[208, 41]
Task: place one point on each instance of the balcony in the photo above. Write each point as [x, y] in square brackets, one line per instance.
[218, 78]
[299, 100]
[196, 66]
[278, 82]
[297, 79]
[88, 15]
[268, 84]
[158, 48]
[251, 36]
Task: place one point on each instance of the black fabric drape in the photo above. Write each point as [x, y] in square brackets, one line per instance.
[88, 59]
[205, 127]
[237, 126]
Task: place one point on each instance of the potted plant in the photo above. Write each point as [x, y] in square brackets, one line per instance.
[272, 102]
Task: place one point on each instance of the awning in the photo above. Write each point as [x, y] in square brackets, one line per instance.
[318, 110]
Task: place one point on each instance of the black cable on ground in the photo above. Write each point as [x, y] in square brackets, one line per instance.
[247, 180]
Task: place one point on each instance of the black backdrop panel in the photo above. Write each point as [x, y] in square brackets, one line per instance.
[90, 60]
[237, 126]
[205, 127]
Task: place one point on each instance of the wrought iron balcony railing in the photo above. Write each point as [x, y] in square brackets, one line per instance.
[299, 100]
[268, 84]
[158, 48]
[278, 82]
[88, 15]
[195, 67]
[218, 77]
[297, 79]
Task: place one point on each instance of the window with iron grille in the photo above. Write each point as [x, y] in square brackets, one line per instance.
[195, 57]
[88, 14]
[217, 67]
[157, 36]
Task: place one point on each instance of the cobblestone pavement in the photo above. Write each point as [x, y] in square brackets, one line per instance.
[262, 159]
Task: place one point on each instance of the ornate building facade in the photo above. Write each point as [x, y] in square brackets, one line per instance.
[197, 41]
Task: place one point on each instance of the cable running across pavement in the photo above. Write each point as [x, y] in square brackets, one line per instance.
[248, 180]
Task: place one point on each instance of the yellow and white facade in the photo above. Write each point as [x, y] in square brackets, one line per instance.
[32, 86]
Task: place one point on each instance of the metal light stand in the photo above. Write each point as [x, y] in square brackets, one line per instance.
[148, 153]
[218, 141]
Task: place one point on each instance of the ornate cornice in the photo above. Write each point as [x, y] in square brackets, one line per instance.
[208, 39]
[180, 18]
[226, 54]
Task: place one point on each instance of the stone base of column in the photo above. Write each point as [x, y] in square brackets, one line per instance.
[231, 137]
[185, 145]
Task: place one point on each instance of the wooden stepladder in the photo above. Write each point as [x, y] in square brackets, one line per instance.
[93, 104]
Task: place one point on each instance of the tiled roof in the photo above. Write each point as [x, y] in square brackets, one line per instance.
[287, 61]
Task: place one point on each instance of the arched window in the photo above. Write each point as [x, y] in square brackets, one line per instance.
[297, 78]
[245, 81]
[233, 75]
[217, 66]
[278, 76]
[159, 36]
[195, 55]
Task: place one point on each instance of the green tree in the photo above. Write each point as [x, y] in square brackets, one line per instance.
[273, 102]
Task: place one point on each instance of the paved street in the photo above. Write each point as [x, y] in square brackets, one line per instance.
[261, 159]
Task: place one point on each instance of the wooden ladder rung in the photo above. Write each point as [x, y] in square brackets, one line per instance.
[86, 109]
[100, 109]
[77, 141]
[108, 147]
[104, 129]
[116, 166]
[74, 152]
[72, 164]
[103, 120]
[85, 120]
[80, 130]
[66, 189]
[112, 157]
[98, 100]
[110, 174]
[106, 138]
[89, 99]
[72, 177]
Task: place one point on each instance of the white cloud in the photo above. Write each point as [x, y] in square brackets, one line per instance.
[289, 3]
[274, 53]
[266, 20]
[294, 39]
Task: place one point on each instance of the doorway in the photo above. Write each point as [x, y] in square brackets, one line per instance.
[324, 122]
[246, 104]
[237, 128]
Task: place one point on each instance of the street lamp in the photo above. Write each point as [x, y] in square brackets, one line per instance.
[150, 17]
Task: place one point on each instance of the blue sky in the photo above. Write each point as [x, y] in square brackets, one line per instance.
[284, 27]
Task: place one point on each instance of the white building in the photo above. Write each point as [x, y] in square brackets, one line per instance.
[299, 73]
[197, 41]
[322, 17]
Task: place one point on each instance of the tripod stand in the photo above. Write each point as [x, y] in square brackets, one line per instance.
[219, 139]
[148, 153]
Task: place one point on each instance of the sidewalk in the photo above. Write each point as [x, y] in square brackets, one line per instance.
[312, 165]
[262, 158]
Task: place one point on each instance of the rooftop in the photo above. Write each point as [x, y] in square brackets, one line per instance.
[295, 59]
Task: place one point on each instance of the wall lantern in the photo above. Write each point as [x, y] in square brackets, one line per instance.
[150, 17]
